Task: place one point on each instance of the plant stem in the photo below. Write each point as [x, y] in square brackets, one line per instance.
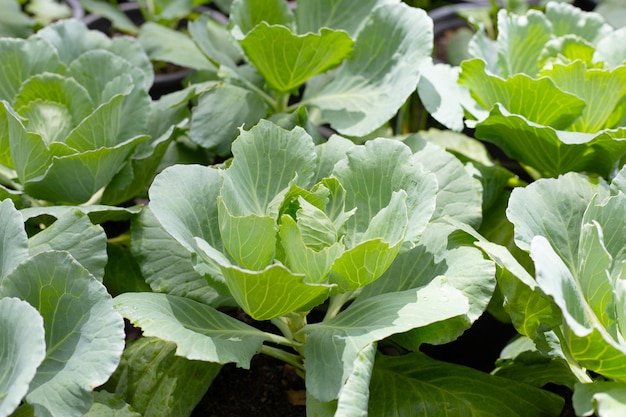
[5, 177]
[336, 303]
[290, 358]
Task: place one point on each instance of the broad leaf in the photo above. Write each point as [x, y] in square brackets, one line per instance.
[73, 232]
[333, 345]
[106, 404]
[287, 60]
[22, 349]
[246, 14]
[365, 93]
[84, 335]
[157, 383]
[313, 15]
[199, 331]
[221, 112]
[604, 398]
[566, 19]
[414, 384]
[13, 239]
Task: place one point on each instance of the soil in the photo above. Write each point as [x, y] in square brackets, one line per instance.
[269, 388]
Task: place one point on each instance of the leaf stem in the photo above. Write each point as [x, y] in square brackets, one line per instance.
[336, 304]
[5, 178]
[290, 358]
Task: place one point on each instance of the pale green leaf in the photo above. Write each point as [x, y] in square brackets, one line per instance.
[199, 331]
[97, 213]
[22, 349]
[371, 174]
[273, 291]
[333, 345]
[520, 42]
[606, 399]
[567, 49]
[329, 153]
[348, 15]
[383, 70]
[414, 384]
[111, 12]
[354, 395]
[287, 60]
[266, 160]
[84, 335]
[157, 383]
[14, 23]
[13, 239]
[215, 42]
[553, 208]
[167, 266]
[567, 19]
[611, 49]
[23, 59]
[246, 14]
[220, 112]
[73, 232]
[169, 45]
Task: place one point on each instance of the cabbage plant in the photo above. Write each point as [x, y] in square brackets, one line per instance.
[341, 247]
[60, 336]
[348, 64]
[74, 109]
[549, 91]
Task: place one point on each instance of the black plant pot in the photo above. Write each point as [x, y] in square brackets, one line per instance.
[164, 83]
[446, 22]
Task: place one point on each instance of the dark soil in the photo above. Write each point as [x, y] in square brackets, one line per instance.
[269, 388]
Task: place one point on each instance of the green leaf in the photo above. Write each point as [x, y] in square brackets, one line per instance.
[603, 110]
[199, 331]
[221, 112]
[587, 340]
[553, 208]
[567, 19]
[537, 100]
[313, 15]
[214, 40]
[552, 152]
[333, 345]
[97, 213]
[354, 395]
[106, 404]
[74, 233]
[84, 335]
[14, 23]
[370, 86]
[13, 239]
[250, 240]
[410, 384]
[111, 12]
[169, 45]
[266, 160]
[287, 60]
[604, 398]
[246, 14]
[371, 174]
[22, 349]
[156, 383]
[520, 42]
[167, 266]
[273, 291]
[122, 272]
[23, 59]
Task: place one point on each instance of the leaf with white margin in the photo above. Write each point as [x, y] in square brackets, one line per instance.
[414, 384]
[371, 173]
[348, 15]
[13, 239]
[606, 399]
[73, 232]
[553, 208]
[333, 345]
[84, 334]
[365, 92]
[22, 349]
[199, 331]
[587, 340]
[567, 19]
